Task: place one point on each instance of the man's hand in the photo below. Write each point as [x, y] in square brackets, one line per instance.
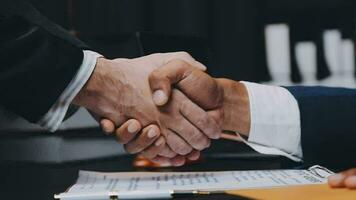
[201, 88]
[135, 139]
[119, 90]
[226, 101]
[344, 179]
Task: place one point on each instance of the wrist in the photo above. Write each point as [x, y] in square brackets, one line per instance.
[236, 106]
[93, 87]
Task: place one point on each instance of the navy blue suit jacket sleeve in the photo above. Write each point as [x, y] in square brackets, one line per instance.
[328, 125]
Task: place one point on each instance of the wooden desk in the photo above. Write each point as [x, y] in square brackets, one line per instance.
[315, 192]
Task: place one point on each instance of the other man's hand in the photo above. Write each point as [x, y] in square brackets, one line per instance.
[344, 179]
[198, 86]
[119, 90]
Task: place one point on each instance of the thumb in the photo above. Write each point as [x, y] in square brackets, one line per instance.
[107, 126]
[162, 79]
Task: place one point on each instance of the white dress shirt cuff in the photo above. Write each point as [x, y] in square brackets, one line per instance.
[54, 117]
[275, 121]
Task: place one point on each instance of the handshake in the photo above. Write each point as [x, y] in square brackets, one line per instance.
[164, 106]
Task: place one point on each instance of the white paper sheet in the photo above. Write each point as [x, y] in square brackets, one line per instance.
[97, 183]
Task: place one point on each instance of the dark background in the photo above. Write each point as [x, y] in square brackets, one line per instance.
[226, 35]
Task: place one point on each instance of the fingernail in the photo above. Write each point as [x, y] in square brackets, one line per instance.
[159, 142]
[106, 130]
[133, 127]
[159, 97]
[151, 133]
[336, 178]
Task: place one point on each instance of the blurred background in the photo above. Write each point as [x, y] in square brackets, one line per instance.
[277, 42]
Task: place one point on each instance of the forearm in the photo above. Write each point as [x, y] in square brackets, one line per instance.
[236, 106]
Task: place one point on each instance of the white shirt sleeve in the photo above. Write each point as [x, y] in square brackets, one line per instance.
[54, 117]
[275, 121]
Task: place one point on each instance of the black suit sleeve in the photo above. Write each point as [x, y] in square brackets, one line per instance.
[328, 125]
[38, 59]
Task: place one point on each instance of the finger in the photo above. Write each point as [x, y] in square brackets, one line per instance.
[166, 162]
[350, 172]
[177, 161]
[217, 115]
[146, 138]
[350, 182]
[107, 126]
[176, 143]
[194, 155]
[167, 152]
[153, 150]
[162, 161]
[192, 135]
[161, 79]
[128, 131]
[336, 180]
[201, 119]
[339, 180]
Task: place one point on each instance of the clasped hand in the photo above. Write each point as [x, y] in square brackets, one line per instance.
[136, 94]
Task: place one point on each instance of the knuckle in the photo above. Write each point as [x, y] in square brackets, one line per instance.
[155, 75]
[155, 56]
[219, 117]
[184, 107]
[179, 62]
[123, 138]
[120, 139]
[184, 54]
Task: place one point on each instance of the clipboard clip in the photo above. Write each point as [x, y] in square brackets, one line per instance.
[320, 171]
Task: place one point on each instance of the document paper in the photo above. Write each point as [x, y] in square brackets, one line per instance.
[97, 183]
